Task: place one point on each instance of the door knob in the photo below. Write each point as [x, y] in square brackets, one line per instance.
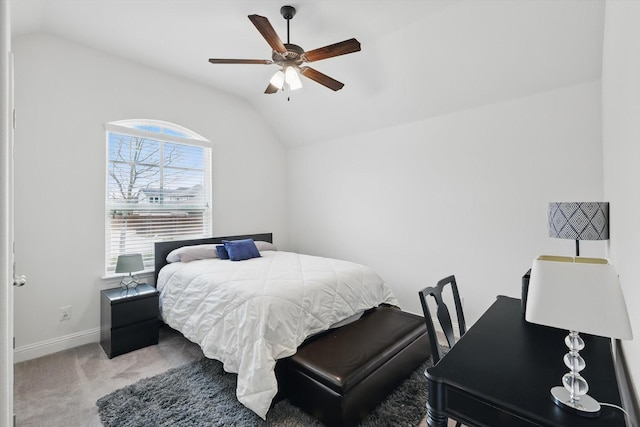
[19, 280]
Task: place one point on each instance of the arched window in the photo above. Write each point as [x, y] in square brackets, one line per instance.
[158, 187]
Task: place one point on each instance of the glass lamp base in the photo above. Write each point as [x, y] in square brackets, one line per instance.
[587, 406]
[129, 282]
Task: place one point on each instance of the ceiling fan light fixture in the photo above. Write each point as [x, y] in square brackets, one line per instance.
[289, 57]
[278, 79]
[292, 78]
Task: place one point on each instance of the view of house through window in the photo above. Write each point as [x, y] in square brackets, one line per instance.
[158, 187]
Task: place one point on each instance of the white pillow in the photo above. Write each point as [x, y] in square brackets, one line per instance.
[192, 253]
[265, 246]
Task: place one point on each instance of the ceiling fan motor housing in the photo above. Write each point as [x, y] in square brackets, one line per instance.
[293, 55]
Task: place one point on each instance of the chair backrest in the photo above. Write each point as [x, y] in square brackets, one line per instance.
[444, 317]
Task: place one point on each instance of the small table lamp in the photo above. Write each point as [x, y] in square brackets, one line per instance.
[580, 295]
[129, 263]
[579, 221]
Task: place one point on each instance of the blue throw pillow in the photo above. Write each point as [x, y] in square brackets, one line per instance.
[240, 250]
[222, 252]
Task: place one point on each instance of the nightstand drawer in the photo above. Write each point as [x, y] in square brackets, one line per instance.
[133, 337]
[128, 313]
[128, 319]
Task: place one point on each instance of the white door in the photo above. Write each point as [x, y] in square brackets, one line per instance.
[6, 219]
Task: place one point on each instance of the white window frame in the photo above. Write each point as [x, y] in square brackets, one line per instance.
[191, 138]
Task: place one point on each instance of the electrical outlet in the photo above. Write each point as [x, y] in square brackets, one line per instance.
[65, 313]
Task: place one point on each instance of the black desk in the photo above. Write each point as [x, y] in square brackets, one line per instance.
[501, 371]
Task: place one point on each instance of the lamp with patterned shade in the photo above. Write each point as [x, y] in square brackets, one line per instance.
[579, 221]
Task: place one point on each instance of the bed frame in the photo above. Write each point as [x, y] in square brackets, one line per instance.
[162, 249]
[369, 368]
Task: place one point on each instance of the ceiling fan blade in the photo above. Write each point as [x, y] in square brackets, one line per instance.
[240, 61]
[323, 79]
[337, 49]
[264, 26]
[271, 89]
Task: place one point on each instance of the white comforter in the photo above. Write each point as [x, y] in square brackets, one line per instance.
[249, 313]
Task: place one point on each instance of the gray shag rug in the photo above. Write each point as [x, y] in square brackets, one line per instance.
[203, 394]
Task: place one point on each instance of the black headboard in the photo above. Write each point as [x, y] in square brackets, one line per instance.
[162, 249]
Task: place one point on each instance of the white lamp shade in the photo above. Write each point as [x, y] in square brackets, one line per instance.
[128, 263]
[278, 79]
[292, 78]
[577, 294]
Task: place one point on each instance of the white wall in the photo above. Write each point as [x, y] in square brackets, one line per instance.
[621, 141]
[64, 95]
[462, 194]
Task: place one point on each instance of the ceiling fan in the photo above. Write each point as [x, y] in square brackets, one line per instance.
[290, 57]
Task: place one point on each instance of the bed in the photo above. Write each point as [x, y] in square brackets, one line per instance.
[250, 313]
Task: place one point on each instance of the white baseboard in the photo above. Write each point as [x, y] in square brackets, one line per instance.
[54, 345]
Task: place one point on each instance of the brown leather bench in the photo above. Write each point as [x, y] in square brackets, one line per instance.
[340, 376]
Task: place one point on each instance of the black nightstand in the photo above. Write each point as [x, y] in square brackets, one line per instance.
[128, 319]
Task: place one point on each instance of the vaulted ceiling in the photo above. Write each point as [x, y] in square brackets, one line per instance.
[419, 58]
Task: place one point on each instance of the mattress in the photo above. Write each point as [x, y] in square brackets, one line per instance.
[247, 314]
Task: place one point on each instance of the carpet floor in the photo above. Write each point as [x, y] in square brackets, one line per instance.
[202, 394]
[61, 389]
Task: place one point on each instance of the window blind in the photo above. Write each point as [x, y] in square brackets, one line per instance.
[158, 188]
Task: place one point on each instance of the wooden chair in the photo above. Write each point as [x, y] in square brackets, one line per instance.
[444, 317]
